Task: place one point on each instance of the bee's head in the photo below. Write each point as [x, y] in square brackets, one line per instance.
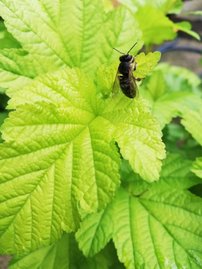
[126, 58]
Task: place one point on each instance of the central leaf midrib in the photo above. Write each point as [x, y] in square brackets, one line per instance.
[132, 234]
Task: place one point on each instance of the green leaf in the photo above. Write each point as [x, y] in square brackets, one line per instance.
[46, 23]
[17, 68]
[95, 34]
[51, 257]
[6, 39]
[148, 213]
[175, 173]
[170, 79]
[171, 92]
[106, 74]
[172, 105]
[95, 231]
[3, 116]
[43, 178]
[104, 79]
[156, 27]
[171, 6]
[192, 120]
[10, 80]
[138, 136]
[154, 23]
[35, 27]
[67, 150]
[197, 167]
[146, 63]
[35, 202]
[98, 262]
[125, 115]
[185, 27]
[197, 12]
[180, 77]
[63, 141]
[64, 254]
[140, 223]
[19, 62]
[176, 134]
[167, 6]
[155, 86]
[54, 88]
[108, 5]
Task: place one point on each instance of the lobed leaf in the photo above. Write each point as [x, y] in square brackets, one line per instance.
[64, 147]
[95, 231]
[65, 153]
[138, 136]
[146, 213]
[66, 86]
[155, 26]
[36, 25]
[63, 163]
[140, 223]
[136, 129]
[179, 77]
[176, 168]
[154, 23]
[146, 63]
[35, 202]
[185, 27]
[171, 92]
[175, 174]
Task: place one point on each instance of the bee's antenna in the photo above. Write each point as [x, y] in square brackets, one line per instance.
[132, 47]
[119, 51]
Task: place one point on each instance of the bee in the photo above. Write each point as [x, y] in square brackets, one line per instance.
[127, 81]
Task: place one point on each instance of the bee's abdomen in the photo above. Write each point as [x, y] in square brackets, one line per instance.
[126, 86]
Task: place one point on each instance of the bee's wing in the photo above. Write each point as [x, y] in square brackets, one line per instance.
[133, 85]
[116, 85]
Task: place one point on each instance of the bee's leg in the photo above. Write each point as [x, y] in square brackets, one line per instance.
[135, 66]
